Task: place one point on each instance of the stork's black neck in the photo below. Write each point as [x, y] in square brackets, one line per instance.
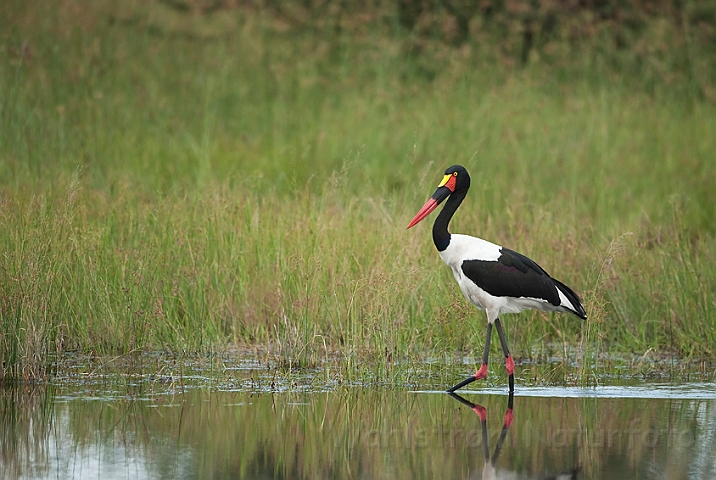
[441, 236]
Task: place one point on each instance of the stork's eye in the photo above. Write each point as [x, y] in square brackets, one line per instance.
[454, 174]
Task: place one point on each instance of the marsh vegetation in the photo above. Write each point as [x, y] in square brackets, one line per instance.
[196, 179]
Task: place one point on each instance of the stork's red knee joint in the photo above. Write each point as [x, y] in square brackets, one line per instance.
[510, 365]
[482, 373]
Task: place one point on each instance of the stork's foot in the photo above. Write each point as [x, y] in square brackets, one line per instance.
[480, 374]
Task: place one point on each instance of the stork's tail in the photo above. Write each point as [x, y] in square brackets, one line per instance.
[570, 300]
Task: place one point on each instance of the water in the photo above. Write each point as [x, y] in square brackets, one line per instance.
[161, 426]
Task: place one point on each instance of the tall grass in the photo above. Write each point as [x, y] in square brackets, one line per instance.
[204, 185]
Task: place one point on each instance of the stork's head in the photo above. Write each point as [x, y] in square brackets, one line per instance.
[455, 179]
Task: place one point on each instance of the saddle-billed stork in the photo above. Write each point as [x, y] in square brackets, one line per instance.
[493, 278]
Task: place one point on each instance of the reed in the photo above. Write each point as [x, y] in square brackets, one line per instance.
[203, 187]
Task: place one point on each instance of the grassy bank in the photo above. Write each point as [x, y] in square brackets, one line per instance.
[210, 184]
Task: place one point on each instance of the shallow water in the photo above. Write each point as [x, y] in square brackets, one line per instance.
[153, 426]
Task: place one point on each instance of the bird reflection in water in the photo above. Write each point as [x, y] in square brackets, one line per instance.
[488, 471]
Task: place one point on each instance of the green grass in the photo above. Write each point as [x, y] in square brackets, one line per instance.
[201, 185]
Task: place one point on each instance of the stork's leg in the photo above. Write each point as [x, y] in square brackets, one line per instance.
[509, 363]
[505, 427]
[482, 372]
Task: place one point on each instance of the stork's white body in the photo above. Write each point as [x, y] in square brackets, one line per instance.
[465, 247]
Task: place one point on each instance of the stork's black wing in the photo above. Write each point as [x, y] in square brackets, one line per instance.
[512, 275]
